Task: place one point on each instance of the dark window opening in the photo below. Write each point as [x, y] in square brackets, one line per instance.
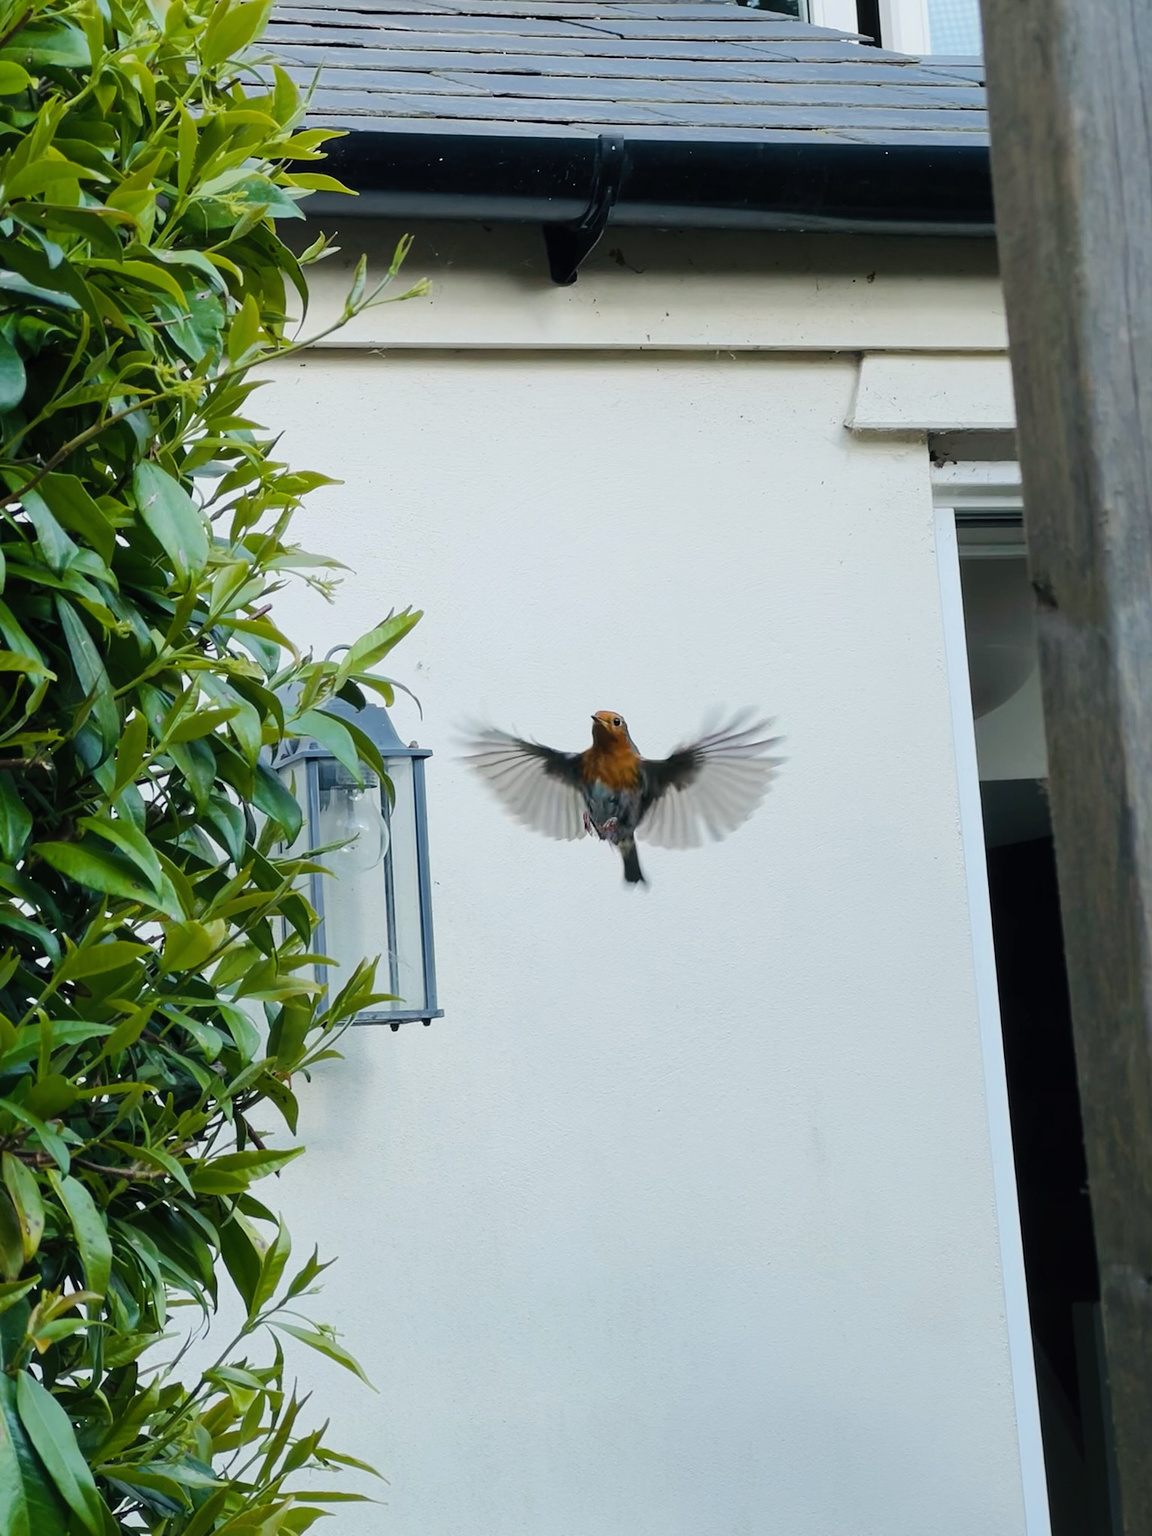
[868, 21]
[1051, 1173]
[1036, 1021]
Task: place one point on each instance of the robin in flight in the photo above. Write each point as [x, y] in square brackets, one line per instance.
[610, 790]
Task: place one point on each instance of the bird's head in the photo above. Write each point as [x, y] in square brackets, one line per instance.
[609, 729]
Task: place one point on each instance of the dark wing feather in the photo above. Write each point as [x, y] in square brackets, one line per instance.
[538, 785]
[710, 786]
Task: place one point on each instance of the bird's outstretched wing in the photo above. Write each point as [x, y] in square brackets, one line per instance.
[709, 786]
[539, 785]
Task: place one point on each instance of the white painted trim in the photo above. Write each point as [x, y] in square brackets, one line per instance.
[1023, 1365]
[904, 26]
[840, 14]
[945, 392]
[979, 485]
[647, 289]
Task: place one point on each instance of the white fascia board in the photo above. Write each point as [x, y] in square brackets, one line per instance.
[933, 393]
[684, 291]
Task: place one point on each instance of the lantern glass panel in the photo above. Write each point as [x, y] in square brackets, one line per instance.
[370, 898]
[299, 778]
[353, 893]
[405, 973]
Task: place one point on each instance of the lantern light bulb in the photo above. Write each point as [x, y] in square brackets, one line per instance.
[352, 818]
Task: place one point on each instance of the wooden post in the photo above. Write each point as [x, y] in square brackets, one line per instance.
[1070, 99]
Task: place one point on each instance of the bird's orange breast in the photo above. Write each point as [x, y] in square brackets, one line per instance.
[616, 767]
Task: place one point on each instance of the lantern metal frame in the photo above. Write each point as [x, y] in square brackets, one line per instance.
[374, 721]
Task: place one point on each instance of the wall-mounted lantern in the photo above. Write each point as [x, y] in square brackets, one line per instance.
[377, 898]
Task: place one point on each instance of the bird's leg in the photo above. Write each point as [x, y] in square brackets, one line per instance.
[589, 825]
[609, 829]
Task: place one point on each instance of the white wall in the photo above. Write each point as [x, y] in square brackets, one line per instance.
[681, 1222]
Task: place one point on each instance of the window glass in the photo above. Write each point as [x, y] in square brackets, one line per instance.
[954, 26]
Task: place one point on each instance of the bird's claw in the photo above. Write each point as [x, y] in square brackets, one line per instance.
[607, 831]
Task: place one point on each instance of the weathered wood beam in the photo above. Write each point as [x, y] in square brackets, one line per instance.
[1070, 98]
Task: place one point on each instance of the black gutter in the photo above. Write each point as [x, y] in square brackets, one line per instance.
[575, 185]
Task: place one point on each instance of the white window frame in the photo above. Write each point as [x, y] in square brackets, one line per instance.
[904, 26]
[840, 14]
[989, 488]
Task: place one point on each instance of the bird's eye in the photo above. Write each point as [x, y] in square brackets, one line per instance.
[616, 721]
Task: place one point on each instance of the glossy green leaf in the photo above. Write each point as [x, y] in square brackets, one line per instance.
[11, 1241]
[130, 752]
[270, 795]
[232, 1172]
[203, 723]
[29, 1503]
[13, 282]
[173, 518]
[24, 1192]
[372, 648]
[204, 1521]
[100, 869]
[107, 955]
[13, 78]
[225, 821]
[334, 735]
[93, 679]
[13, 379]
[142, 272]
[45, 176]
[58, 549]
[14, 1291]
[242, 1258]
[51, 41]
[15, 819]
[76, 510]
[124, 835]
[233, 26]
[272, 1263]
[325, 1345]
[244, 332]
[13, 661]
[49, 1096]
[50, 1140]
[129, 1030]
[188, 944]
[51, 1434]
[306, 1275]
[89, 1226]
[157, 1491]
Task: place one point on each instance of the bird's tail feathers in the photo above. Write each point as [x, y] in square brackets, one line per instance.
[633, 874]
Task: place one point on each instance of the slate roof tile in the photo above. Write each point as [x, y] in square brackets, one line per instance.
[676, 67]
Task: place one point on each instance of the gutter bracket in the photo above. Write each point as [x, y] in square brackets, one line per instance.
[567, 245]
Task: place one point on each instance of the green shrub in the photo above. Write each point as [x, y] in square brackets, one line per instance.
[155, 995]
